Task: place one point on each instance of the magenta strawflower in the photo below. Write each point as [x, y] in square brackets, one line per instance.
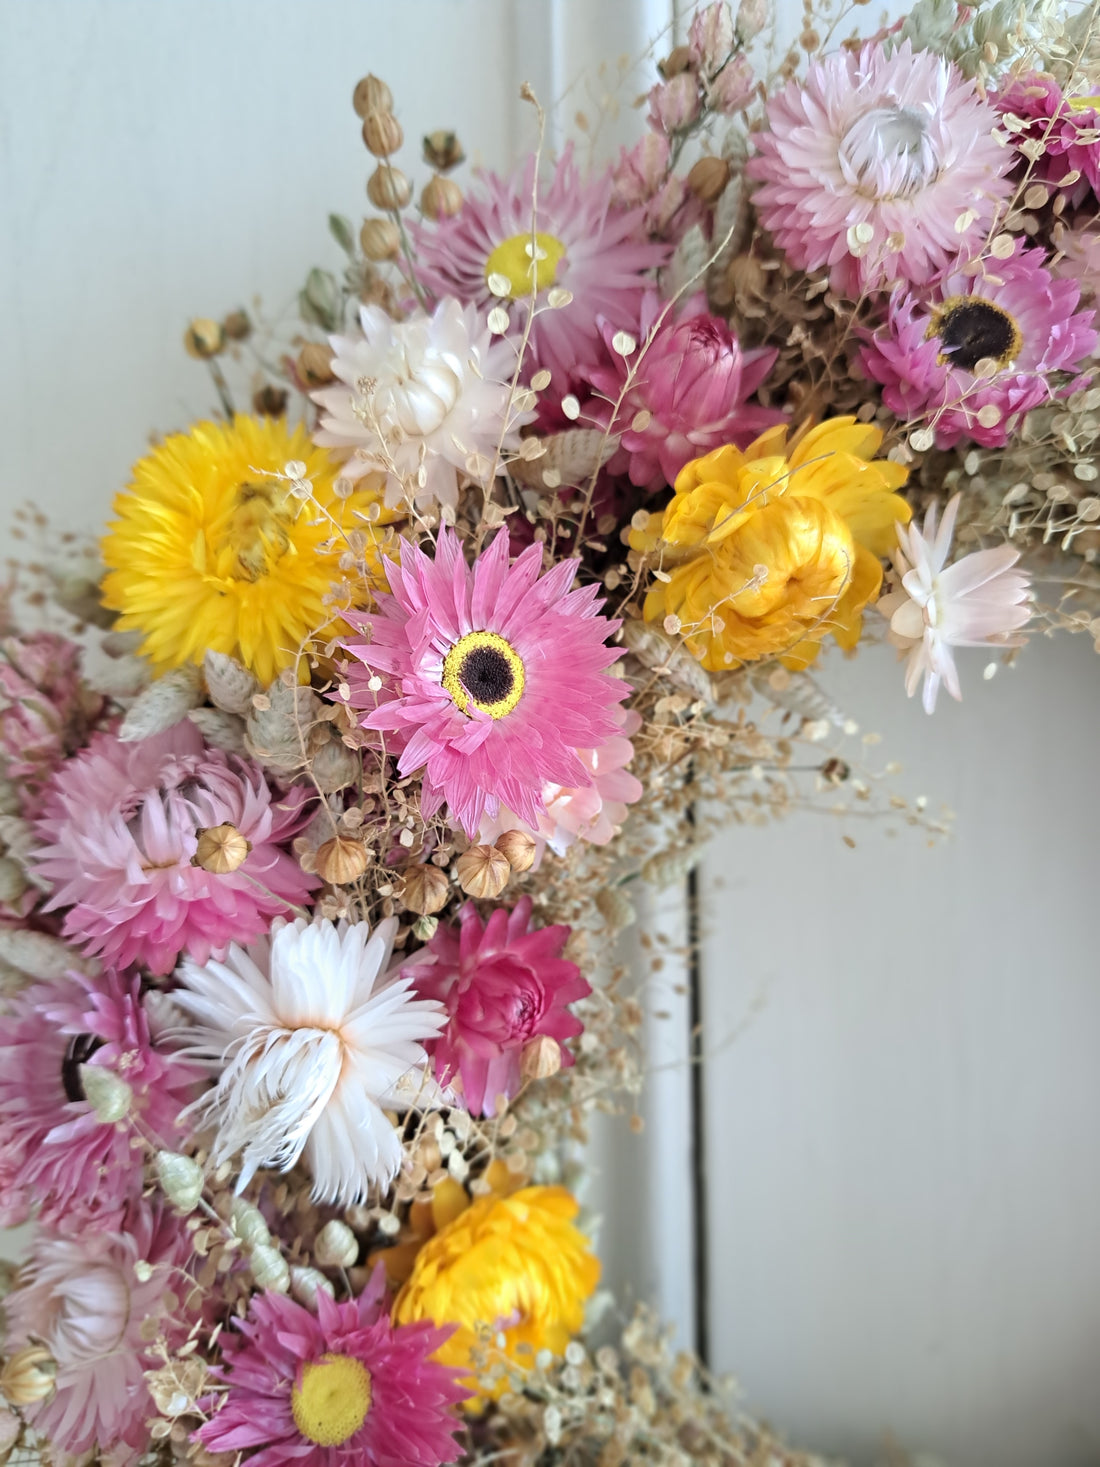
[1035, 113]
[60, 1155]
[689, 393]
[584, 245]
[869, 164]
[493, 677]
[1012, 316]
[503, 983]
[340, 1388]
[46, 710]
[119, 828]
[97, 1313]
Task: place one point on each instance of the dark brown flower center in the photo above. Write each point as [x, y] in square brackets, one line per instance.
[972, 330]
[485, 671]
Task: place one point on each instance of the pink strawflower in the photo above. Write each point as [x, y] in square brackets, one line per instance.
[1011, 313]
[868, 164]
[1034, 110]
[45, 710]
[494, 677]
[585, 246]
[119, 828]
[1078, 257]
[503, 984]
[87, 1301]
[340, 1388]
[692, 382]
[643, 177]
[61, 1155]
[979, 601]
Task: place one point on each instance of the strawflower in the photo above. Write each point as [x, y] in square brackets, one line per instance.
[210, 552]
[340, 1387]
[502, 983]
[769, 550]
[1062, 134]
[868, 165]
[980, 349]
[309, 1043]
[118, 831]
[978, 601]
[46, 711]
[96, 1301]
[420, 401]
[513, 1268]
[582, 244]
[493, 677]
[74, 1166]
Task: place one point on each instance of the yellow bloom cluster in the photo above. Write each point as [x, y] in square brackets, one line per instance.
[764, 551]
[212, 549]
[513, 1266]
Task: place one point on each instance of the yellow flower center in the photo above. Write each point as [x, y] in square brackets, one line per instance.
[484, 670]
[972, 330]
[1084, 104]
[254, 535]
[520, 257]
[331, 1401]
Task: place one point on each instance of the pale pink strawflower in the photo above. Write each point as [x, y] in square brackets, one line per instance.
[643, 177]
[1035, 112]
[503, 983]
[95, 1301]
[585, 246]
[979, 349]
[493, 677]
[74, 1166]
[120, 826]
[868, 166]
[1078, 256]
[689, 394]
[978, 601]
[46, 711]
[340, 1388]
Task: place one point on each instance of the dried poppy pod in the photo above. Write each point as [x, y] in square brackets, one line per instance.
[708, 178]
[28, 1376]
[518, 848]
[220, 849]
[483, 871]
[442, 150]
[382, 133]
[269, 401]
[424, 889]
[203, 338]
[541, 1058]
[341, 860]
[371, 95]
[441, 198]
[314, 364]
[388, 188]
[380, 239]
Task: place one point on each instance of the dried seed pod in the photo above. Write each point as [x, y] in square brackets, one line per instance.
[380, 239]
[223, 731]
[424, 928]
[442, 150]
[220, 849]
[341, 860]
[483, 871]
[248, 1224]
[231, 686]
[335, 766]
[371, 95]
[269, 1268]
[314, 364]
[540, 1058]
[203, 338]
[424, 889]
[382, 133]
[708, 178]
[388, 188]
[307, 1283]
[28, 1376]
[162, 705]
[518, 849]
[441, 198]
[336, 1246]
[109, 1095]
[616, 908]
[270, 401]
[181, 1179]
[237, 326]
[681, 58]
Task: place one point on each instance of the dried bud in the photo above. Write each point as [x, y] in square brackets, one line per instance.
[382, 133]
[708, 178]
[203, 338]
[674, 105]
[28, 1376]
[682, 58]
[442, 150]
[711, 35]
[237, 326]
[314, 364]
[336, 1246]
[220, 849]
[307, 1283]
[424, 889]
[483, 871]
[424, 928]
[269, 401]
[388, 188]
[108, 1094]
[341, 860]
[371, 95]
[380, 239]
[518, 849]
[180, 1178]
[752, 17]
[732, 89]
[248, 1224]
[269, 1268]
[441, 198]
[541, 1058]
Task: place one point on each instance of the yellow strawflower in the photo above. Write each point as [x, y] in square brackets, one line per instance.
[769, 549]
[209, 552]
[512, 1267]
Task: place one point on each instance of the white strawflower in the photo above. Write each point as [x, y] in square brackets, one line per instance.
[979, 601]
[420, 401]
[310, 1047]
